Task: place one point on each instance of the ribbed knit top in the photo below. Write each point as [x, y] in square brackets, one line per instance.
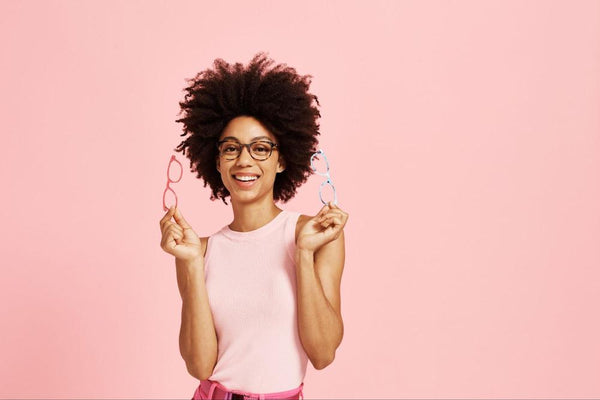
[251, 284]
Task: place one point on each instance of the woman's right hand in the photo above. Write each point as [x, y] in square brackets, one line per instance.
[178, 237]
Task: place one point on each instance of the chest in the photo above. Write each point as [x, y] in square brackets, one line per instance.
[249, 281]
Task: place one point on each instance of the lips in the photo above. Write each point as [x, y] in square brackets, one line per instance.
[247, 184]
[245, 177]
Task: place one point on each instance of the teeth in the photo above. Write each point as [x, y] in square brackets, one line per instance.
[246, 178]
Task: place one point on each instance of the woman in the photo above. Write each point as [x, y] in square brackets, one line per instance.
[261, 296]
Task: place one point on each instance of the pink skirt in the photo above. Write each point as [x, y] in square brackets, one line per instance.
[209, 390]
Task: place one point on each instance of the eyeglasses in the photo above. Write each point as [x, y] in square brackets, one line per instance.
[323, 170]
[171, 173]
[260, 150]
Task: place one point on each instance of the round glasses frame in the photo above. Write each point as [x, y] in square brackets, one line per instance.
[248, 147]
[327, 181]
[169, 181]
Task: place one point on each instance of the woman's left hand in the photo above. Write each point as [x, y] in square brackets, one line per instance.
[323, 228]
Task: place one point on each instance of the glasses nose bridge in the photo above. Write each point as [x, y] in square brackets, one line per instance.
[247, 147]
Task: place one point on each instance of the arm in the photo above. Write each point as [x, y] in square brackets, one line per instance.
[197, 336]
[319, 265]
[318, 276]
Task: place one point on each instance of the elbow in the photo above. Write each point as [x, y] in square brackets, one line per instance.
[322, 362]
[198, 373]
[323, 358]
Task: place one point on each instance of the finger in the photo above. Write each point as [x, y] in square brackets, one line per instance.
[333, 220]
[323, 210]
[334, 211]
[333, 205]
[167, 216]
[332, 231]
[336, 207]
[168, 241]
[180, 220]
[165, 226]
[331, 213]
[170, 225]
[176, 228]
[178, 237]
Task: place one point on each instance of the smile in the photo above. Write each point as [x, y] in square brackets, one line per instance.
[245, 181]
[245, 178]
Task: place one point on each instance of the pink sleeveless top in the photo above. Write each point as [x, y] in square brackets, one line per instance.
[251, 284]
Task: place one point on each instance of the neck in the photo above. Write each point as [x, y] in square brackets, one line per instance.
[251, 216]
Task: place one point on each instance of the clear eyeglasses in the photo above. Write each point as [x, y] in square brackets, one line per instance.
[173, 176]
[260, 150]
[322, 168]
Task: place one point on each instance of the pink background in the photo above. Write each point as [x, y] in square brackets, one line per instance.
[464, 141]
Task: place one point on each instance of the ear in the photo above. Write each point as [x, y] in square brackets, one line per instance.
[280, 164]
[218, 164]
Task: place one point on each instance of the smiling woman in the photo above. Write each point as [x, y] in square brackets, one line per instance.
[275, 95]
[261, 296]
[251, 174]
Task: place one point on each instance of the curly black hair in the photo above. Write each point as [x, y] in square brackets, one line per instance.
[277, 97]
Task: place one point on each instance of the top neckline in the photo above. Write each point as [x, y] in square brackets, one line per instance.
[266, 228]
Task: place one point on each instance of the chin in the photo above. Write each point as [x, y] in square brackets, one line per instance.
[248, 197]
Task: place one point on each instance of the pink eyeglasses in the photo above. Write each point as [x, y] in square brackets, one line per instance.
[170, 179]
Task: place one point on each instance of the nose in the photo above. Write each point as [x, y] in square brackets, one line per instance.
[245, 158]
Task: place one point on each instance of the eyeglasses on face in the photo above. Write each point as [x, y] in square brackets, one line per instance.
[259, 150]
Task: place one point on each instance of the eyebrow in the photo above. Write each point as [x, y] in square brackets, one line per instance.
[253, 139]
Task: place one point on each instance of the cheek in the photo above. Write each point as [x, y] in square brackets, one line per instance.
[272, 171]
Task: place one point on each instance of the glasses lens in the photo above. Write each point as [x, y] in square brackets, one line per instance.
[174, 171]
[261, 150]
[230, 150]
[327, 192]
[319, 164]
[170, 199]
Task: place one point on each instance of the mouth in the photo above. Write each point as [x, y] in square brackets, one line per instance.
[245, 181]
[246, 178]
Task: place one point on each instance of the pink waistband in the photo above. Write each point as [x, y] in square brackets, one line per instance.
[218, 391]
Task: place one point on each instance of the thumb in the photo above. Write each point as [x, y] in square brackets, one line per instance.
[180, 220]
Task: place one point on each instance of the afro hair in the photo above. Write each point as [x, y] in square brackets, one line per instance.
[277, 96]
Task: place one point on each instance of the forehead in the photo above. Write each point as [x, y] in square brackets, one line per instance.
[246, 129]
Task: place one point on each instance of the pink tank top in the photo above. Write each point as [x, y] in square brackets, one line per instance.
[251, 284]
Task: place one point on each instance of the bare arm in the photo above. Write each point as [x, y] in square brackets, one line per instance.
[320, 254]
[319, 316]
[197, 336]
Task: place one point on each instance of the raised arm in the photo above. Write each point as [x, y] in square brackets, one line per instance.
[320, 256]
[197, 336]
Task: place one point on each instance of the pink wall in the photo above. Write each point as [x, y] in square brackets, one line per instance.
[464, 141]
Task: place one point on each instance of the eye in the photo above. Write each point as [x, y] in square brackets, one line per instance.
[229, 148]
[261, 148]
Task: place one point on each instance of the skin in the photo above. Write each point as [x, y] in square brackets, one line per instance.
[319, 241]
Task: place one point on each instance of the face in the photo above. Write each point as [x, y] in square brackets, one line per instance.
[246, 129]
